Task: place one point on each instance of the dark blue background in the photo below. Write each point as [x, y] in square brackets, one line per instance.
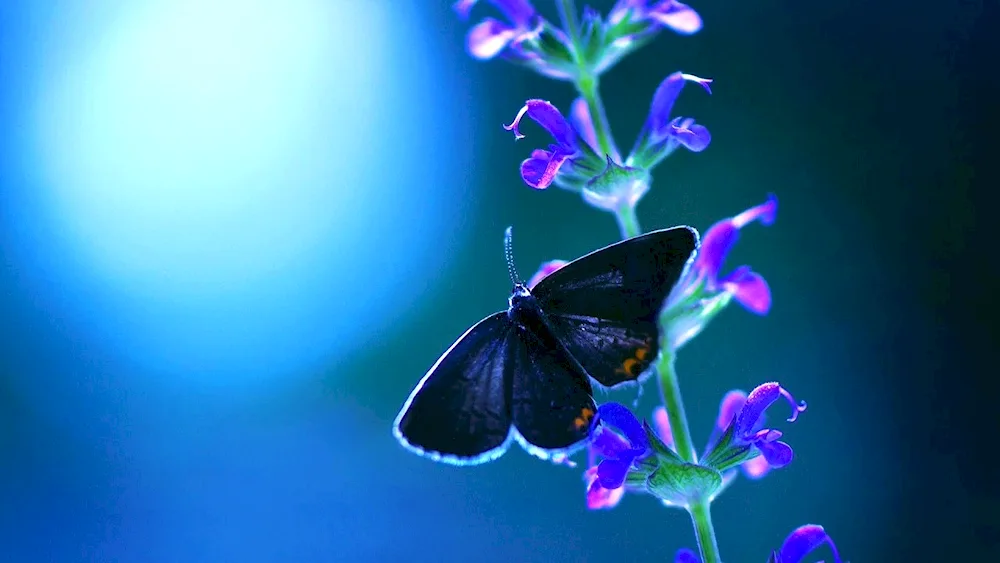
[862, 118]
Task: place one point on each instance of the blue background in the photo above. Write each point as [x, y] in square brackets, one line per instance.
[235, 235]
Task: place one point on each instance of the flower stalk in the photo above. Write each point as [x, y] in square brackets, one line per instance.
[701, 516]
[626, 454]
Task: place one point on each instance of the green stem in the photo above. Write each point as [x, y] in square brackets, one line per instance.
[674, 404]
[567, 13]
[628, 223]
[587, 85]
[700, 511]
[701, 516]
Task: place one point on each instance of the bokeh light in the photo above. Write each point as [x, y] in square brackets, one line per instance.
[206, 201]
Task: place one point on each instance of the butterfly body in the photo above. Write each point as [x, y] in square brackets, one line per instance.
[525, 374]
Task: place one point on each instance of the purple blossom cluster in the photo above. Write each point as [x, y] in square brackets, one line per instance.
[626, 453]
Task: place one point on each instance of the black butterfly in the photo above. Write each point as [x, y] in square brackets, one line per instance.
[522, 374]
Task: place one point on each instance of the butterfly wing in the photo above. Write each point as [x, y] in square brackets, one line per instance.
[460, 412]
[552, 402]
[604, 306]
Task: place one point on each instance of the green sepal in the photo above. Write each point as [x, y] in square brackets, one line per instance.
[662, 452]
[553, 47]
[616, 186]
[682, 483]
[684, 320]
[724, 455]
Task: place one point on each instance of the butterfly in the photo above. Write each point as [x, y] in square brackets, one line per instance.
[525, 374]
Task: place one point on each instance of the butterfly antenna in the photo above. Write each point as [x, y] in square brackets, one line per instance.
[508, 252]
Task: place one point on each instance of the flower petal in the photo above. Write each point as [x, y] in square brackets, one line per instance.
[715, 246]
[546, 115]
[579, 117]
[611, 472]
[662, 424]
[597, 496]
[544, 270]
[720, 237]
[618, 416]
[462, 7]
[540, 170]
[757, 402]
[487, 38]
[756, 468]
[765, 213]
[678, 17]
[777, 454]
[686, 556]
[519, 12]
[731, 404]
[659, 120]
[804, 540]
[749, 288]
[692, 136]
[607, 443]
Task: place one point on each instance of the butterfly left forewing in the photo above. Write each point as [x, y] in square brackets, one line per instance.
[604, 306]
[459, 413]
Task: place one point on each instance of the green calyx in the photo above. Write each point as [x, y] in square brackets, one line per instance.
[616, 187]
[676, 481]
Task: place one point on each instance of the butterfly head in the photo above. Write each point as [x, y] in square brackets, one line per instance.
[520, 298]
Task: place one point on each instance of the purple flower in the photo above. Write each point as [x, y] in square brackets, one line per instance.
[490, 37]
[754, 468]
[801, 542]
[562, 158]
[747, 286]
[667, 13]
[702, 293]
[663, 133]
[744, 434]
[729, 407]
[620, 440]
[544, 270]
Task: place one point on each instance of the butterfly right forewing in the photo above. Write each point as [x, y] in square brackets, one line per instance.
[604, 306]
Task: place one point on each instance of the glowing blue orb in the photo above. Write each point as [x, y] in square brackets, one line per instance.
[236, 191]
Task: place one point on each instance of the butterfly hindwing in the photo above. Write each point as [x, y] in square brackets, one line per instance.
[611, 351]
[460, 412]
[552, 403]
[604, 306]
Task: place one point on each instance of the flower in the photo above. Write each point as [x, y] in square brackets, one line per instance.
[702, 293]
[526, 39]
[620, 451]
[745, 437]
[544, 270]
[801, 542]
[490, 37]
[571, 160]
[732, 402]
[747, 286]
[667, 13]
[662, 134]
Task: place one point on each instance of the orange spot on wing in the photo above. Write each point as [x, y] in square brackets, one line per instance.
[632, 367]
[586, 415]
